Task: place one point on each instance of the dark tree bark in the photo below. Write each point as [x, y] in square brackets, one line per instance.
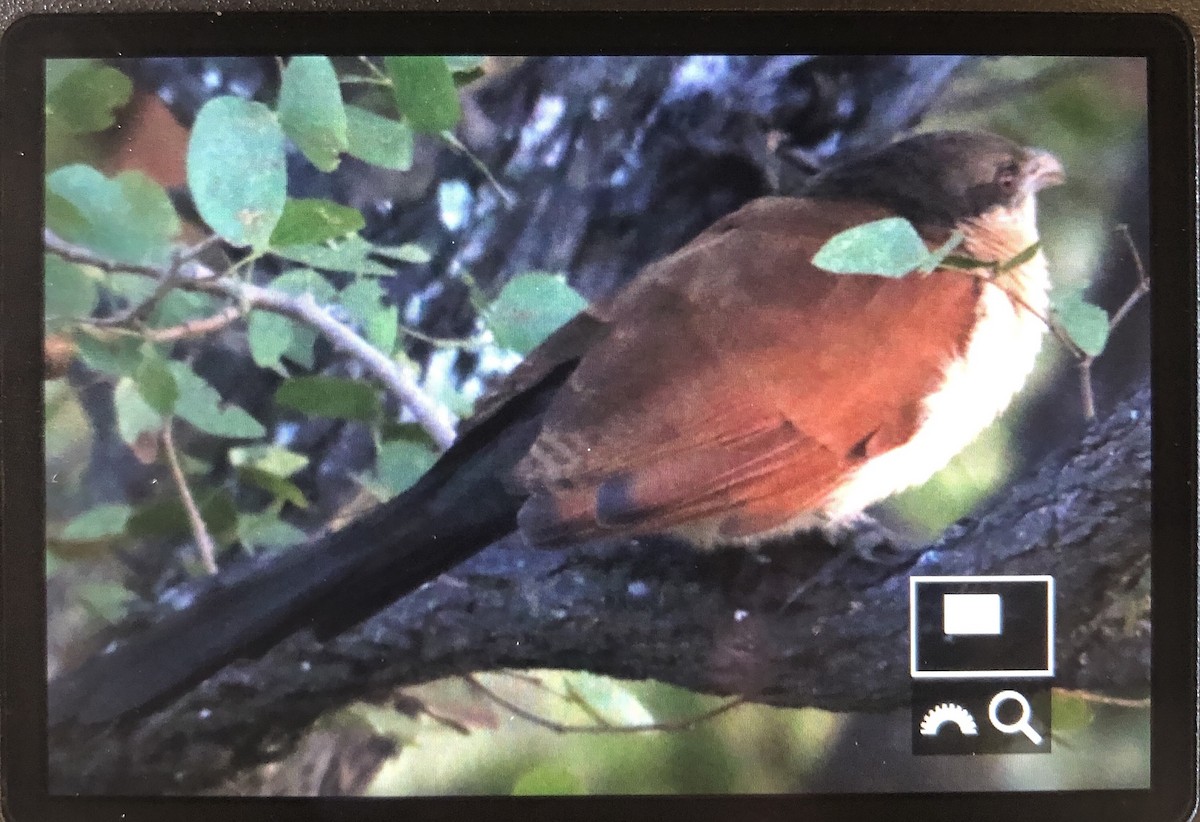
[614, 163]
[651, 609]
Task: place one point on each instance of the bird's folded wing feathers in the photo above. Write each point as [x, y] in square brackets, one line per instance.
[713, 389]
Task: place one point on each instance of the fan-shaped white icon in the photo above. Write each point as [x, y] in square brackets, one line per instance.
[939, 715]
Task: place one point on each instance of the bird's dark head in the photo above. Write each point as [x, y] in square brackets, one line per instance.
[944, 178]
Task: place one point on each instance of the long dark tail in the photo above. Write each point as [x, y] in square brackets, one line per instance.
[459, 507]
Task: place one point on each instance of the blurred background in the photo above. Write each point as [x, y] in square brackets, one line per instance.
[562, 176]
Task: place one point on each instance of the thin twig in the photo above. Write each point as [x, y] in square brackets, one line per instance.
[509, 198]
[375, 70]
[440, 342]
[1143, 286]
[1104, 699]
[435, 419]
[563, 727]
[204, 540]
[195, 328]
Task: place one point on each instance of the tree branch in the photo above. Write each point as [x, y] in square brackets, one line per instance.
[710, 622]
[436, 420]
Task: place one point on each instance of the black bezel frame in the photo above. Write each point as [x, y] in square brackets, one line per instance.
[1164, 40]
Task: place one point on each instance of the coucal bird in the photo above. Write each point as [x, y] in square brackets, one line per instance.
[730, 393]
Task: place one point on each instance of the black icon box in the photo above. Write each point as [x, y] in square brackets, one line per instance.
[985, 627]
[959, 718]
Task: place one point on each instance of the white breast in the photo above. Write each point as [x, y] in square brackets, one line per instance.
[999, 358]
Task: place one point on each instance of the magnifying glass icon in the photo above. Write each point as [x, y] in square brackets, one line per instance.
[1022, 724]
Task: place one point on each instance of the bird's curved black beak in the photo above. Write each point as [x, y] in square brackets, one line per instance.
[1041, 169]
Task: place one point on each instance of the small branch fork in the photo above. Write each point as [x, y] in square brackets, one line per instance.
[1083, 359]
[436, 420]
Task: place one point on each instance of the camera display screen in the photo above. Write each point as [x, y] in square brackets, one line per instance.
[440, 425]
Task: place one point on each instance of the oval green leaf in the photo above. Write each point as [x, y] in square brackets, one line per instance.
[70, 293]
[890, 247]
[314, 221]
[378, 140]
[101, 522]
[128, 219]
[330, 397]
[236, 170]
[530, 308]
[400, 463]
[86, 100]
[156, 383]
[311, 111]
[201, 405]
[1086, 324]
[423, 87]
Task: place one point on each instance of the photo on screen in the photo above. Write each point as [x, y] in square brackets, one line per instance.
[563, 425]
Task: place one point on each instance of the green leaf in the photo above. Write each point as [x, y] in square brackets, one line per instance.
[530, 308]
[378, 140]
[178, 306]
[400, 463]
[165, 517]
[135, 416]
[106, 600]
[938, 256]
[63, 218]
[109, 352]
[380, 323]
[274, 484]
[305, 281]
[69, 432]
[890, 247]
[274, 459]
[236, 170]
[155, 382]
[70, 293]
[270, 336]
[348, 256]
[1086, 324]
[548, 779]
[128, 219]
[424, 90]
[201, 405]
[1020, 258]
[101, 522]
[609, 698]
[267, 530]
[86, 100]
[1070, 712]
[311, 110]
[330, 397]
[315, 221]
[406, 253]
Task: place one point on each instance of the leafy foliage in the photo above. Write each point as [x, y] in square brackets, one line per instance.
[311, 110]
[128, 218]
[84, 101]
[890, 247]
[236, 170]
[423, 87]
[530, 308]
[314, 221]
[379, 140]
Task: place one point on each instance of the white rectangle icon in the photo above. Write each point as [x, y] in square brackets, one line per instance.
[971, 614]
[977, 614]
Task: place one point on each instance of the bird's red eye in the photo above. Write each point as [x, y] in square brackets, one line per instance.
[1006, 178]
